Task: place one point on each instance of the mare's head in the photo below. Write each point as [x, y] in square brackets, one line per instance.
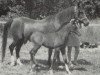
[73, 12]
[80, 14]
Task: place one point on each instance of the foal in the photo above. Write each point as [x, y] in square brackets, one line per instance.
[72, 41]
[51, 40]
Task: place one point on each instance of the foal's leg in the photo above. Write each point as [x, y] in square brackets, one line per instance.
[11, 47]
[50, 53]
[69, 56]
[76, 55]
[54, 60]
[49, 56]
[18, 46]
[32, 55]
[58, 56]
[63, 51]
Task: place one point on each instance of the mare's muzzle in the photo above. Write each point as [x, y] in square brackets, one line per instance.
[85, 21]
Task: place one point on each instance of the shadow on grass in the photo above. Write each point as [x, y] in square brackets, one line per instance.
[80, 68]
[27, 62]
[56, 64]
[84, 62]
[44, 63]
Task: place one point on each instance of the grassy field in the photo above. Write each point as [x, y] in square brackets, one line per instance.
[89, 61]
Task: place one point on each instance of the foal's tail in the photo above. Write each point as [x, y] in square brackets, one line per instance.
[4, 37]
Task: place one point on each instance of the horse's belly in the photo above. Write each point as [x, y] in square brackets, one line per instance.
[48, 43]
[48, 40]
[58, 42]
[53, 41]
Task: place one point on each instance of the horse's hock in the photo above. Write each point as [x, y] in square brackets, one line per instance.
[90, 34]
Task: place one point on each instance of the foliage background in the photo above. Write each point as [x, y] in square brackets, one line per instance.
[38, 9]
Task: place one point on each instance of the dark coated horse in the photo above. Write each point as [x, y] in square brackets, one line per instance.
[23, 29]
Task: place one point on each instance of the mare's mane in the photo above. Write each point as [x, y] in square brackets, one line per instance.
[61, 15]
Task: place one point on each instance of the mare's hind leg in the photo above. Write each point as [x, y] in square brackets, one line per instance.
[18, 46]
[11, 47]
[32, 55]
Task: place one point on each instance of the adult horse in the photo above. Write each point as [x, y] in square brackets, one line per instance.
[21, 28]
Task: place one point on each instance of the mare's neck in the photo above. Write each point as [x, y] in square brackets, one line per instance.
[66, 15]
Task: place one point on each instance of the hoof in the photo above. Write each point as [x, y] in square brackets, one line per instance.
[69, 73]
[12, 61]
[70, 65]
[67, 69]
[12, 64]
[75, 63]
[50, 72]
[60, 67]
[19, 62]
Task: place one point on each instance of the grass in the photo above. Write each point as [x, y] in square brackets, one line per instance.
[89, 62]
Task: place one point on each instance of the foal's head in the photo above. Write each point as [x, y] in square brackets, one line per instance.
[73, 24]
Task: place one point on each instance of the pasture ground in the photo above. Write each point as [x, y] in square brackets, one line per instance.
[89, 61]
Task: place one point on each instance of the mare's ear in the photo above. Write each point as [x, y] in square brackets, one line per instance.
[74, 2]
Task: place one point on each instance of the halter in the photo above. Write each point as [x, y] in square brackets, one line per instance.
[76, 12]
[75, 23]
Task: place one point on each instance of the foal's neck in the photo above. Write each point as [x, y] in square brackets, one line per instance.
[64, 31]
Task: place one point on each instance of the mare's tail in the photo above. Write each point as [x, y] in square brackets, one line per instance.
[4, 38]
